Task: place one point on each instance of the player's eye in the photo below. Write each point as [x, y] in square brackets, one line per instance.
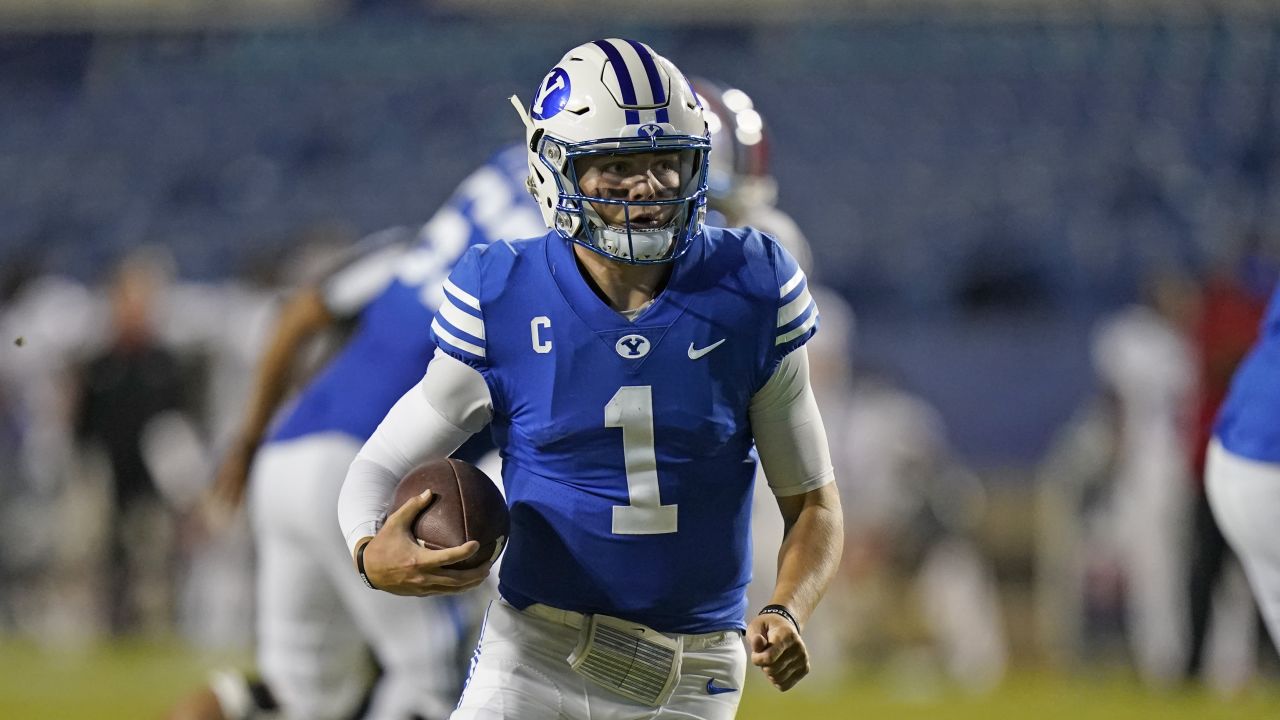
[670, 161]
[617, 168]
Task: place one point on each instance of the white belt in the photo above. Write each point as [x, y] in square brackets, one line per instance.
[577, 621]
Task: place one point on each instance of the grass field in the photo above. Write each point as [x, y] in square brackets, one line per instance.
[137, 682]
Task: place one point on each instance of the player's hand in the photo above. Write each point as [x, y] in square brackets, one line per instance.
[777, 648]
[220, 504]
[396, 563]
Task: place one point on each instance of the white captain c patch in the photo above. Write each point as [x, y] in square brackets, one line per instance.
[541, 344]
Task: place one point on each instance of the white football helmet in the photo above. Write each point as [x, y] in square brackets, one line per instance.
[610, 97]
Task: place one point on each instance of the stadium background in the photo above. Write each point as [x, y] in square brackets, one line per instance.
[982, 181]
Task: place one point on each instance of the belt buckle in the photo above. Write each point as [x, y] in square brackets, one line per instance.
[627, 658]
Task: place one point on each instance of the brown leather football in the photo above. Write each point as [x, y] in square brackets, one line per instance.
[467, 506]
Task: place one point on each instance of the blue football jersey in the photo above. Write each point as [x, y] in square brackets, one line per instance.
[628, 457]
[1249, 422]
[392, 344]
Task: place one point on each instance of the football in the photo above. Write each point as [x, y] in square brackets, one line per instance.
[467, 506]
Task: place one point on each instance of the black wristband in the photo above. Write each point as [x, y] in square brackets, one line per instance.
[776, 610]
[360, 566]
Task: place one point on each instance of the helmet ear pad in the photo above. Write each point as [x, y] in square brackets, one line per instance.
[604, 97]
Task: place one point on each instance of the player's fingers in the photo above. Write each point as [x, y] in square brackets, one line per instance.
[453, 589]
[408, 512]
[788, 678]
[786, 664]
[795, 664]
[455, 578]
[771, 653]
[471, 585]
[766, 657]
[447, 556]
[454, 581]
[757, 636]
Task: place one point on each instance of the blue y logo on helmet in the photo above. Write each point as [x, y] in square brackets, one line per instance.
[649, 130]
[552, 95]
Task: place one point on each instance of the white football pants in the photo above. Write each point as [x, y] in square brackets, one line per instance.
[520, 672]
[317, 621]
[1245, 497]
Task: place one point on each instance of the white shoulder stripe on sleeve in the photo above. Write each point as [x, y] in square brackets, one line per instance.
[463, 295]
[456, 342]
[799, 330]
[795, 308]
[791, 284]
[469, 324]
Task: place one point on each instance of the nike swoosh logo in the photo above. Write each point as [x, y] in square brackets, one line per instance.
[712, 688]
[695, 354]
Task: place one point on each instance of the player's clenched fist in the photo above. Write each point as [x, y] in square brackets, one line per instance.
[395, 562]
[777, 648]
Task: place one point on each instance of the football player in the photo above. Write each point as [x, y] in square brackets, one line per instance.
[316, 621]
[741, 191]
[1242, 471]
[631, 362]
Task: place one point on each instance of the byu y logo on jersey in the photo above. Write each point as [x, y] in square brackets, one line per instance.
[632, 347]
[552, 95]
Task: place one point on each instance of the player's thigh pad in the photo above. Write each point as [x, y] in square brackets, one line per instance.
[519, 669]
[1245, 497]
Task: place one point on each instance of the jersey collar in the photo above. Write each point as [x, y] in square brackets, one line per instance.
[668, 305]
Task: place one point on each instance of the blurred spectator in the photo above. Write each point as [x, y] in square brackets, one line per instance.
[1146, 364]
[125, 391]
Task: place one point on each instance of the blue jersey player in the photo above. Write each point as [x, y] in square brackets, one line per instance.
[316, 621]
[1242, 470]
[631, 363]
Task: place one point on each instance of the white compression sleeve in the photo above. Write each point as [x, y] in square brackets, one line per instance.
[788, 429]
[436, 416]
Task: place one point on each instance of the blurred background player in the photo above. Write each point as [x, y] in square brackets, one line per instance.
[1233, 304]
[1146, 363]
[741, 191]
[1242, 472]
[918, 596]
[317, 622]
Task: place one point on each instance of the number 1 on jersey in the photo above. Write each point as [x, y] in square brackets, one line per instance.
[632, 410]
